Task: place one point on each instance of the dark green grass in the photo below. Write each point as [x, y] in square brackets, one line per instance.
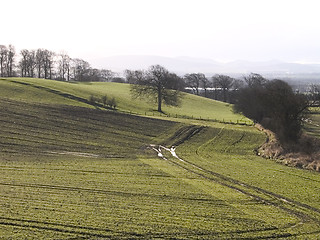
[71, 171]
[78, 172]
[35, 128]
[227, 156]
[230, 152]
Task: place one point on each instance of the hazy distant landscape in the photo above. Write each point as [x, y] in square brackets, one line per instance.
[297, 74]
[183, 65]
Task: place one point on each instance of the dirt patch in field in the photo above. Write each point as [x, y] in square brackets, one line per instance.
[303, 154]
[78, 154]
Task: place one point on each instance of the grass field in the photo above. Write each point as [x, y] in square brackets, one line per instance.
[35, 90]
[71, 171]
[313, 127]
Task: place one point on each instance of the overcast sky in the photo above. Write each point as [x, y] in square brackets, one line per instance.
[224, 30]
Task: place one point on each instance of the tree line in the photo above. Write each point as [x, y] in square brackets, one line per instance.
[43, 63]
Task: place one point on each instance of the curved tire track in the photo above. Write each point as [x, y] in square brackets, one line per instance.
[296, 208]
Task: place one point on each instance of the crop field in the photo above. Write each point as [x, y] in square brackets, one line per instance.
[226, 156]
[72, 171]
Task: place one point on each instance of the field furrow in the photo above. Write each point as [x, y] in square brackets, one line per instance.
[72, 171]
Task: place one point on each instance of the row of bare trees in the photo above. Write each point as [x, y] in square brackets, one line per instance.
[7, 55]
[43, 63]
[217, 87]
[38, 63]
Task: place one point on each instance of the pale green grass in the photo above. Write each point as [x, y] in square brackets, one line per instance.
[192, 106]
[27, 93]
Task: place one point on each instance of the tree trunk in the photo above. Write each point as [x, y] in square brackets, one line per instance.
[68, 74]
[39, 71]
[159, 100]
[224, 95]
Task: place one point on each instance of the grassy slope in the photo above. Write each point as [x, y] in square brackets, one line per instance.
[192, 106]
[69, 171]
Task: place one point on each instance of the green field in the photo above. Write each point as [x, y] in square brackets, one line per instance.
[47, 91]
[312, 127]
[70, 170]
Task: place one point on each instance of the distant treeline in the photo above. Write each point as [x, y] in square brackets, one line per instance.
[43, 63]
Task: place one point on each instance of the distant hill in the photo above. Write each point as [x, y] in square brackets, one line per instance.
[180, 65]
[183, 65]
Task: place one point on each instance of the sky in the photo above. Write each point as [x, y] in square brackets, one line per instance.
[222, 30]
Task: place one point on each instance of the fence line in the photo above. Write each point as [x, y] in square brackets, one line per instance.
[154, 114]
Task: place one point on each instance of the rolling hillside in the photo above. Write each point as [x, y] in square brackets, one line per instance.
[70, 170]
[46, 91]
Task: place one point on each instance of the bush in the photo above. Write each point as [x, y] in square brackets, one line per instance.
[112, 103]
[93, 100]
[104, 100]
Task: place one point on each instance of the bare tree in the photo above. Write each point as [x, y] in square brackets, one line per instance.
[48, 62]
[159, 85]
[255, 79]
[194, 80]
[23, 63]
[134, 76]
[237, 84]
[107, 75]
[224, 82]
[31, 63]
[94, 75]
[11, 52]
[81, 69]
[27, 63]
[3, 59]
[39, 61]
[205, 84]
[64, 66]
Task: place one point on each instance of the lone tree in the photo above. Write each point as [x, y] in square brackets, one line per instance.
[159, 85]
[275, 106]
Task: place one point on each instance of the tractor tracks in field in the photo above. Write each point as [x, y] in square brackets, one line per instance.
[104, 192]
[301, 210]
[78, 230]
[294, 207]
